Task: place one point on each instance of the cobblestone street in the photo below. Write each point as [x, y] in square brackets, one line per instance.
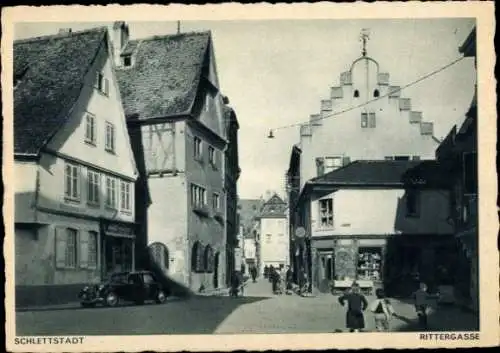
[257, 312]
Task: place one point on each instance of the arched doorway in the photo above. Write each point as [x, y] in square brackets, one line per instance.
[159, 253]
[216, 271]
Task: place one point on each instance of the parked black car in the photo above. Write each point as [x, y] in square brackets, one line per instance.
[137, 287]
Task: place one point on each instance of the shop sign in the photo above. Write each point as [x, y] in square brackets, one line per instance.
[118, 229]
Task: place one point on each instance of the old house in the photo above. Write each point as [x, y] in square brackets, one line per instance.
[379, 131]
[248, 211]
[74, 168]
[274, 239]
[178, 125]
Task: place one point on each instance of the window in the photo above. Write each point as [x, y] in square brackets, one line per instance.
[326, 213]
[71, 249]
[332, 163]
[93, 187]
[371, 120]
[216, 201]
[125, 196]
[376, 93]
[268, 238]
[110, 192]
[401, 158]
[364, 120]
[92, 249]
[198, 196]
[102, 83]
[197, 258]
[197, 148]
[148, 278]
[320, 166]
[72, 182]
[356, 93]
[415, 158]
[127, 60]
[110, 137]
[211, 155]
[160, 255]
[90, 129]
[412, 203]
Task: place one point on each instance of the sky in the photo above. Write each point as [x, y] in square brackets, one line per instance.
[275, 73]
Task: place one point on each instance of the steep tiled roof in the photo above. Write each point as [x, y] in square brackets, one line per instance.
[248, 210]
[380, 173]
[50, 71]
[275, 207]
[164, 78]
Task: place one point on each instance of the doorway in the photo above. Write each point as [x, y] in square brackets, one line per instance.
[216, 271]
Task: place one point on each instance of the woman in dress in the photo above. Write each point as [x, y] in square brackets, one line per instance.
[356, 305]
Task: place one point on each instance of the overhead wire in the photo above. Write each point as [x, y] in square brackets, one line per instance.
[399, 89]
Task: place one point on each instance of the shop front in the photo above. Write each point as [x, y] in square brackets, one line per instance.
[118, 245]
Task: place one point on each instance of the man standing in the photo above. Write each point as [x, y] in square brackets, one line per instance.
[421, 299]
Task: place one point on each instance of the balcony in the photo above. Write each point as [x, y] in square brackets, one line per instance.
[201, 210]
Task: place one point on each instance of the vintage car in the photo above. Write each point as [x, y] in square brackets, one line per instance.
[137, 287]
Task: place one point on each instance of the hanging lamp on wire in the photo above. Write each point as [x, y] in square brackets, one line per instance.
[271, 135]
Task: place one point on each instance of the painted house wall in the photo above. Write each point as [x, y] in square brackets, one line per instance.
[70, 141]
[205, 229]
[383, 212]
[394, 133]
[25, 190]
[274, 241]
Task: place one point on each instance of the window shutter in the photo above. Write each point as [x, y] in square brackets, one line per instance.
[346, 161]
[371, 120]
[83, 237]
[60, 240]
[320, 166]
[106, 86]
[97, 79]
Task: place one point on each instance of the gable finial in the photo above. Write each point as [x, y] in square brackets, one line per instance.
[364, 37]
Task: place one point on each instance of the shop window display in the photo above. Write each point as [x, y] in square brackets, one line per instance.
[369, 264]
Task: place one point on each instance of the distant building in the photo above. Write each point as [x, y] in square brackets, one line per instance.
[274, 237]
[179, 128]
[248, 211]
[74, 167]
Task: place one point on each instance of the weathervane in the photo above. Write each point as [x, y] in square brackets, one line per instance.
[364, 37]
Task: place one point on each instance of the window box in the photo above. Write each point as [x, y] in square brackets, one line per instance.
[219, 216]
[201, 210]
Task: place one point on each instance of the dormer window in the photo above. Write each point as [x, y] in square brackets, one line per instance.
[376, 93]
[127, 60]
[356, 93]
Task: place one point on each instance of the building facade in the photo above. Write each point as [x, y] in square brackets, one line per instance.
[248, 213]
[458, 155]
[177, 123]
[74, 214]
[371, 221]
[274, 237]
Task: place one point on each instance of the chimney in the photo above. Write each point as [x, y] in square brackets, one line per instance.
[64, 30]
[119, 39]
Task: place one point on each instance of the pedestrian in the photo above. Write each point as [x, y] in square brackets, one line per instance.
[356, 305]
[253, 272]
[421, 300]
[235, 284]
[242, 283]
[266, 271]
[274, 276]
[382, 310]
[289, 280]
[271, 272]
[302, 281]
[282, 280]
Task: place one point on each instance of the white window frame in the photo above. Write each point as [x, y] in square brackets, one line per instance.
[111, 193]
[198, 196]
[325, 212]
[93, 187]
[110, 137]
[71, 257]
[197, 148]
[125, 196]
[93, 250]
[212, 157]
[90, 129]
[73, 188]
[102, 83]
[216, 201]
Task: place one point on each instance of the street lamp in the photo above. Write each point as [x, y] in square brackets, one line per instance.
[271, 135]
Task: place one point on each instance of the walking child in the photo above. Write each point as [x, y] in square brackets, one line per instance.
[356, 305]
[382, 310]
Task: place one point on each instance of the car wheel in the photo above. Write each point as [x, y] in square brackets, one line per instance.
[161, 297]
[111, 299]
